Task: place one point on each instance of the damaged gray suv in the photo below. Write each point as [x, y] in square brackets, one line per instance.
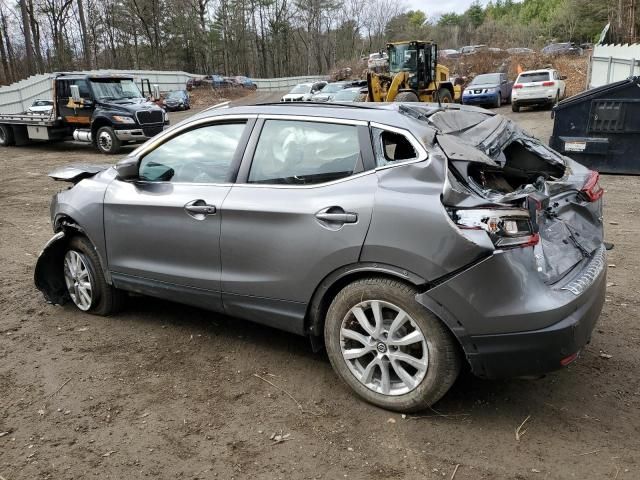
[406, 239]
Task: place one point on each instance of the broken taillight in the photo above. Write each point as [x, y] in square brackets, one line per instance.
[507, 228]
[591, 188]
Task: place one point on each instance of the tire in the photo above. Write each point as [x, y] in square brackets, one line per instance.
[515, 107]
[427, 384]
[107, 142]
[80, 257]
[498, 102]
[6, 136]
[444, 95]
[406, 97]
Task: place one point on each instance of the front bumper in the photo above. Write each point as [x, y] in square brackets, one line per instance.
[512, 324]
[139, 134]
[480, 99]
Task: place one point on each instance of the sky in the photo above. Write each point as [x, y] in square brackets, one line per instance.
[435, 8]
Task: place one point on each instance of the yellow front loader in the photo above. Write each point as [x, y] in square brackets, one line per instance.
[414, 76]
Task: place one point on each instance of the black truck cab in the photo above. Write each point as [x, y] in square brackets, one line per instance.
[106, 110]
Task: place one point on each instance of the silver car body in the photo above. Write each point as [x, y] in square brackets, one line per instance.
[276, 254]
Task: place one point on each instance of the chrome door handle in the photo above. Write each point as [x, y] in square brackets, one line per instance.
[199, 208]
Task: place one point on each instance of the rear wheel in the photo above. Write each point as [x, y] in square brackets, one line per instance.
[406, 97]
[445, 95]
[387, 347]
[106, 141]
[515, 107]
[6, 136]
[85, 281]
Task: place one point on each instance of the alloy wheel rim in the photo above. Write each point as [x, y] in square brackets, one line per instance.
[384, 348]
[105, 141]
[78, 280]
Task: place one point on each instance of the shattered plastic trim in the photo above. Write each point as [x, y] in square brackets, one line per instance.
[589, 274]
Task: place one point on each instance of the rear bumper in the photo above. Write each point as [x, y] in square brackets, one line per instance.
[509, 322]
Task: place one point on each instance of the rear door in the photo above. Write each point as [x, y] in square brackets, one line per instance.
[300, 210]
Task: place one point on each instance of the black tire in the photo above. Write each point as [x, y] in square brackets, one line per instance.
[6, 136]
[106, 299]
[498, 102]
[515, 107]
[443, 355]
[106, 141]
[406, 97]
[444, 95]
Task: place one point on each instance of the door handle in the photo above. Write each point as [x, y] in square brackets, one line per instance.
[336, 215]
[199, 208]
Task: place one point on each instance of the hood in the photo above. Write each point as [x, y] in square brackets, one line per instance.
[130, 106]
[322, 97]
[76, 172]
[295, 95]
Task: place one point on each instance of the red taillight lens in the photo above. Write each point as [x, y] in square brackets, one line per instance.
[548, 84]
[592, 188]
[507, 228]
[567, 360]
[517, 85]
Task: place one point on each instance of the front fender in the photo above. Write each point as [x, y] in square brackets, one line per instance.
[48, 276]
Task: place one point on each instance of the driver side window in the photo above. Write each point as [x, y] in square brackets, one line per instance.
[200, 155]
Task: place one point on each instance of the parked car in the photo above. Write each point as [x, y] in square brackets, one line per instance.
[538, 87]
[328, 91]
[520, 51]
[348, 95]
[471, 49]
[566, 48]
[407, 240]
[176, 100]
[41, 106]
[378, 61]
[244, 82]
[217, 81]
[194, 82]
[448, 53]
[303, 91]
[488, 89]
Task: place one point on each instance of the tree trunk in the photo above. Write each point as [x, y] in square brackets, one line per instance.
[85, 38]
[28, 46]
[35, 36]
[8, 76]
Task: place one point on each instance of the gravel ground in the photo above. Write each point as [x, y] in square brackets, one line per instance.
[167, 391]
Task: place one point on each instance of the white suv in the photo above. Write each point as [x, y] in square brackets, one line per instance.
[538, 87]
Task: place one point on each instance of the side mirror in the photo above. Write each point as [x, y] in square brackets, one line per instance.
[127, 168]
[75, 93]
[156, 91]
[563, 77]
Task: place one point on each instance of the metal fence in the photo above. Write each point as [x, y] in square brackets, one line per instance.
[610, 63]
[17, 97]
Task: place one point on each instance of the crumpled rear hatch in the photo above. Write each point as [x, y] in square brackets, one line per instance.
[494, 164]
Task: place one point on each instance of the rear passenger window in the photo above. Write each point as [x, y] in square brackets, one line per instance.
[300, 153]
[391, 147]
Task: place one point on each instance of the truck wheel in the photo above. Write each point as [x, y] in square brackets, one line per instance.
[515, 107]
[406, 97]
[85, 281]
[445, 95]
[106, 141]
[6, 136]
[387, 347]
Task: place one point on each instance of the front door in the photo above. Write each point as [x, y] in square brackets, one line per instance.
[163, 230]
[75, 114]
[302, 212]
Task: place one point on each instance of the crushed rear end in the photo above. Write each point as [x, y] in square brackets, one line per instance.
[531, 305]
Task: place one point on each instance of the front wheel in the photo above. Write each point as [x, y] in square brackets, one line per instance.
[406, 97]
[388, 348]
[85, 281]
[498, 102]
[445, 95]
[107, 142]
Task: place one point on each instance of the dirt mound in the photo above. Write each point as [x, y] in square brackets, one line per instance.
[205, 96]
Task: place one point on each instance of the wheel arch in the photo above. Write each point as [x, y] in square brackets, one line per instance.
[97, 124]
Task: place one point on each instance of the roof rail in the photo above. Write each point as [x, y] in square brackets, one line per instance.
[218, 105]
[320, 104]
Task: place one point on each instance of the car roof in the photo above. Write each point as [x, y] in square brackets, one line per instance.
[540, 70]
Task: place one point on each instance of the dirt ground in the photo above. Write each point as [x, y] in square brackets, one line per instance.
[167, 391]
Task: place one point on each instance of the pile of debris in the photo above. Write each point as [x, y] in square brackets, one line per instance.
[205, 96]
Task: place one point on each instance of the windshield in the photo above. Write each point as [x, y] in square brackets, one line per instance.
[486, 78]
[177, 94]
[302, 88]
[402, 57]
[332, 87]
[115, 89]
[347, 95]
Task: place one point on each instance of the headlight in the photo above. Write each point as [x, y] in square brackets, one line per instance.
[122, 119]
[468, 92]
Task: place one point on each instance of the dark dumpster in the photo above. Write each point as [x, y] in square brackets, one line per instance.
[600, 128]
